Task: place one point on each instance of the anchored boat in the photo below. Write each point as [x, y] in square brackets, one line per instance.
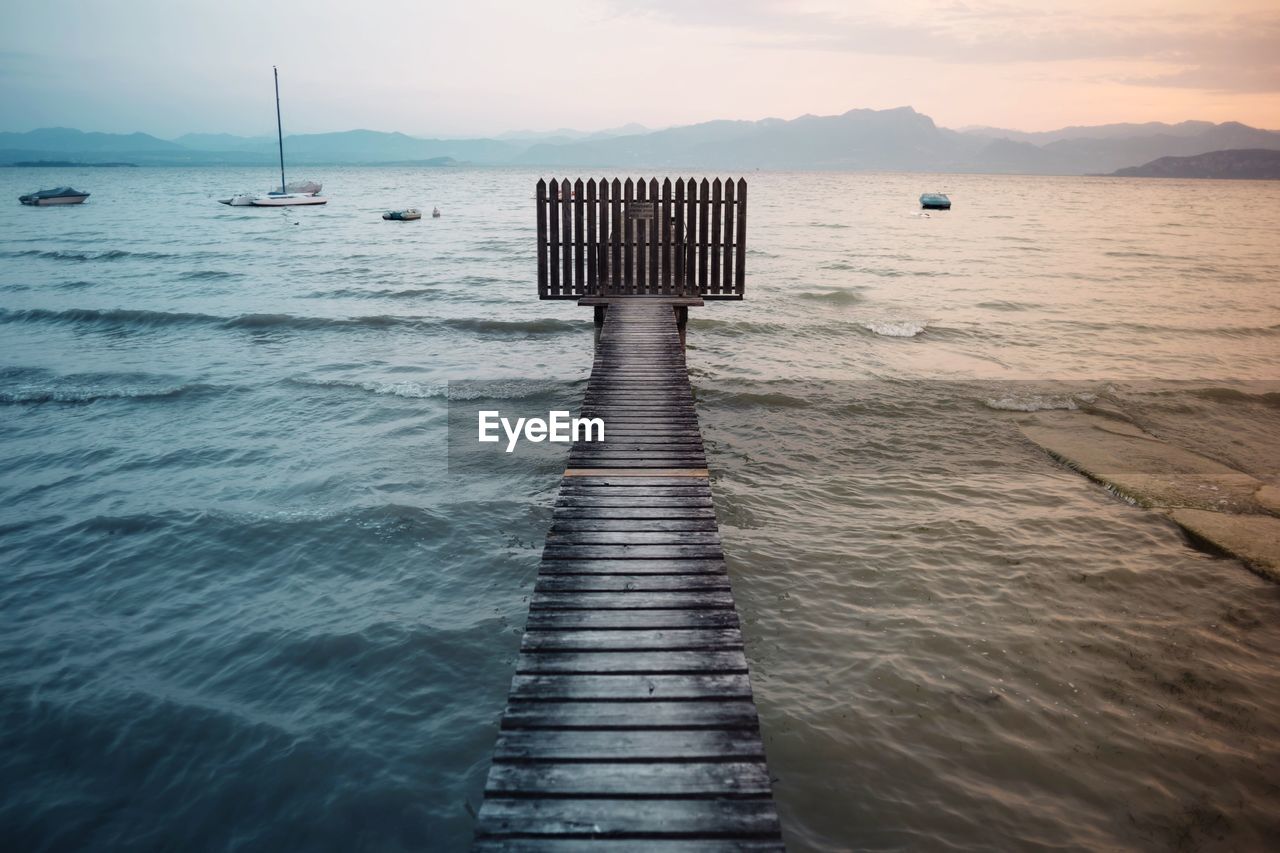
[935, 201]
[290, 195]
[61, 195]
[405, 215]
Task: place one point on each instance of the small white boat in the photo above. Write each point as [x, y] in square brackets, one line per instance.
[406, 215]
[273, 200]
[61, 195]
[291, 194]
[287, 200]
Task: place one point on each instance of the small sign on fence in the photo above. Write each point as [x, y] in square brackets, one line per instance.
[642, 210]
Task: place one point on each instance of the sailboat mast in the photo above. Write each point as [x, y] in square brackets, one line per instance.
[279, 128]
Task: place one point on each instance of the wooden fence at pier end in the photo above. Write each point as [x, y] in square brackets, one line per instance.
[642, 238]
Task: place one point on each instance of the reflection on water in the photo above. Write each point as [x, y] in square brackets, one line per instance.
[245, 602]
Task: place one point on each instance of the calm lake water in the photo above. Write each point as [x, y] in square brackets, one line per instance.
[245, 605]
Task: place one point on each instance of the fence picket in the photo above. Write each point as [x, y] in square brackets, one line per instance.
[541, 196]
[593, 251]
[566, 236]
[741, 266]
[726, 286]
[641, 234]
[717, 211]
[553, 239]
[704, 192]
[579, 241]
[615, 237]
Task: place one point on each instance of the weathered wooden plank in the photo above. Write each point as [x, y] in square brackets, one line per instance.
[615, 552]
[627, 845]
[610, 483]
[635, 779]
[688, 639]
[637, 461]
[626, 620]
[598, 511]
[634, 500]
[630, 583]
[631, 567]
[638, 465]
[645, 714]
[619, 687]
[602, 818]
[694, 745]
[633, 537]
[640, 451]
[630, 663]
[687, 599]
[622, 444]
[626, 524]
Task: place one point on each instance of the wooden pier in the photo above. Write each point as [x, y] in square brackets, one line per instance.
[630, 724]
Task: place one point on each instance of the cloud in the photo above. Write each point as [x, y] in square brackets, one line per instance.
[1234, 52]
[1215, 79]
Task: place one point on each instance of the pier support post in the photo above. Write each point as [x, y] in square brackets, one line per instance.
[600, 311]
[682, 319]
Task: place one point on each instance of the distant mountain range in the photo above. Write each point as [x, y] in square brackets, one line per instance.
[1248, 164]
[895, 139]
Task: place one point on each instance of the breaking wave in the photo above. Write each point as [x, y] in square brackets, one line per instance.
[1037, 402]
[109, 255]
[895, 328]
[835, 297]
[19, 386]
[117, 318]
[411, 390]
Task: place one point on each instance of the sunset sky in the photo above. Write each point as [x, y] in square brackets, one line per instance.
[487, 66]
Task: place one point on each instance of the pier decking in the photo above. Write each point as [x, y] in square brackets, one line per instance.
[630, 723]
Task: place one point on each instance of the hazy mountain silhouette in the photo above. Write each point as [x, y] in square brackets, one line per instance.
[894, 139]
[1250, 164]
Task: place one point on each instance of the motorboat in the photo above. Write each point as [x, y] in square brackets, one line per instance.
[935, 201]
[61, 195]
[406, 215]
[290, 195]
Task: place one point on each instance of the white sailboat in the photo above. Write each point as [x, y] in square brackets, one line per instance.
[289, 195]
